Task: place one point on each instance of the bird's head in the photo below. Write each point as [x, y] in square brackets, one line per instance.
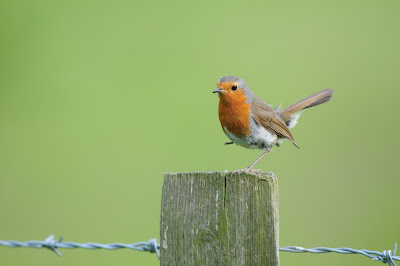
[231, 88]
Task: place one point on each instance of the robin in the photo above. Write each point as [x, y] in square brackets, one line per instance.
[253, 124]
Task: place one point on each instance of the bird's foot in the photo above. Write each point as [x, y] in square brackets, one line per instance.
[228, 143]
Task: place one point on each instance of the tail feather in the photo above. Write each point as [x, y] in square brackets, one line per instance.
[313, 100]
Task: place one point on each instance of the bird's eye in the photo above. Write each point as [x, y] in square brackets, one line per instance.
[234, 87]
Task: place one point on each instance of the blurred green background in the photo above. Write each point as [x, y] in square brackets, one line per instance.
[99, 98]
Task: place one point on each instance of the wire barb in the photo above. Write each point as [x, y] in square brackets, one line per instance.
[387, 256]
[51, 244]
[154, 247]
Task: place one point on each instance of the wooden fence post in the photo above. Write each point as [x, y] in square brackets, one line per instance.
[219, 218]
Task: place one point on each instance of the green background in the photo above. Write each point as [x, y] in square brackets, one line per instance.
[98, 99]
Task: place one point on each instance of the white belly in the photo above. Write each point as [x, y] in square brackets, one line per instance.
[259, 138]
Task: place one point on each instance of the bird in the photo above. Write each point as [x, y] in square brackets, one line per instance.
[251, 123]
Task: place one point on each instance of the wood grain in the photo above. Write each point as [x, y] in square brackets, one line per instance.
[219, 218]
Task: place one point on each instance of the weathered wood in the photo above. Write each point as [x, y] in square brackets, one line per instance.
[219, 218]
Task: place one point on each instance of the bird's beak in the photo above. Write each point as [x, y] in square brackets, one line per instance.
[218, 90]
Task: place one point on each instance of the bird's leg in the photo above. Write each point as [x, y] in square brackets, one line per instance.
[227, 143]
[259, 158]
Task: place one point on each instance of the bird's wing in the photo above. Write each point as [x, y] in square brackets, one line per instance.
[264, 115]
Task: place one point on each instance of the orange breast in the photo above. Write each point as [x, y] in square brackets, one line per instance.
[234, 113]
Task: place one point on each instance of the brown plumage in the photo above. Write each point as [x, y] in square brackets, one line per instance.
[313, 100]
[266, 116]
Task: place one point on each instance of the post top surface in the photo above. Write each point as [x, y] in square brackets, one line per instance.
[253, 173]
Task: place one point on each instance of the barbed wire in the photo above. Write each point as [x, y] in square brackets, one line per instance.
[153, 247]
[51, 243]
[386, 256]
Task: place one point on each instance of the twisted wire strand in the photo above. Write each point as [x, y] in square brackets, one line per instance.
[51, 243]
[387, 256]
